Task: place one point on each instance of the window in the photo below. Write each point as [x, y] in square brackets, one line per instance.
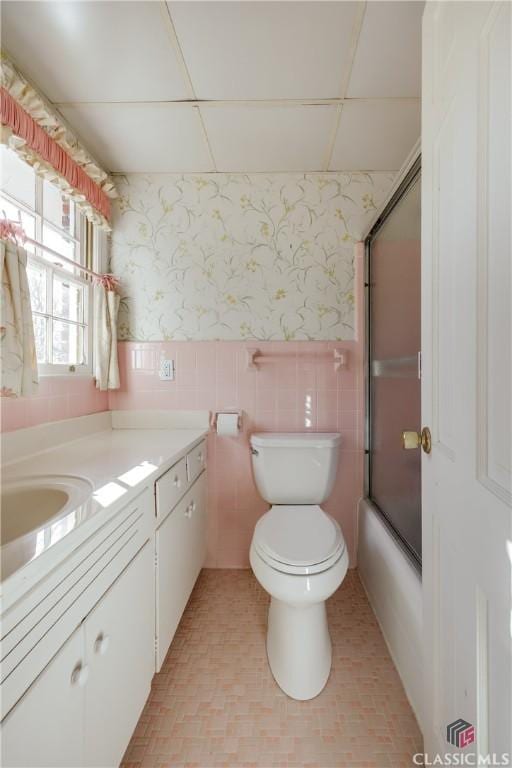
[60, 293]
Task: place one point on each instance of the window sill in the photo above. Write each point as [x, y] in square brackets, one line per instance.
[61, 374]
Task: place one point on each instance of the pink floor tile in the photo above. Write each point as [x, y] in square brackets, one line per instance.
[215, 702]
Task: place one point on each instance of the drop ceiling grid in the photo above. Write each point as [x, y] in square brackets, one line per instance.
[309, 127]
[356, 34]
[175, 44]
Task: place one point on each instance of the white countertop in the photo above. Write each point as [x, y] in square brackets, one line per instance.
[119, 464]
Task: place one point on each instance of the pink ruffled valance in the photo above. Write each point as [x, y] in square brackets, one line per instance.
[23, 125]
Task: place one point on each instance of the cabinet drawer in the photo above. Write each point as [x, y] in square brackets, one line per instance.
[171, 487]
[196, 461]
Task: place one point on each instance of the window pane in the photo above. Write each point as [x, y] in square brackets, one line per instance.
[37, 286]
[40, 333]
[58, 209]
[68, 343]
[28, 222]
[18, 178]
[67, 300]
[56, 242]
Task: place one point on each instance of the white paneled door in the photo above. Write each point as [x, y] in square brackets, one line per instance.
[466, 384]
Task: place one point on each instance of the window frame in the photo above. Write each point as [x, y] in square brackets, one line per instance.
[54, 269]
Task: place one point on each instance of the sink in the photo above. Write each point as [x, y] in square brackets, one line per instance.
[29, 503]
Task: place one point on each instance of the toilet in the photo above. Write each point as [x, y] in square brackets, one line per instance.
[297, 554]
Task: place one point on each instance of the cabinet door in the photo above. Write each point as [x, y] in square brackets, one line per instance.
[198, 536]
[45, 728]
[180, 546]
[119, 636]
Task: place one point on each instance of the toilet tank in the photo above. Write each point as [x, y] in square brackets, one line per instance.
[295, 468]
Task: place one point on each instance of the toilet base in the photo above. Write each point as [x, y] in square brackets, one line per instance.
[299, 648]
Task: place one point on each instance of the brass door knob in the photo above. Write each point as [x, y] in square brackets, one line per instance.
[415, 439]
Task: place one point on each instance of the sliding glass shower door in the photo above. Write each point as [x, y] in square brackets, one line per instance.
[394, 267]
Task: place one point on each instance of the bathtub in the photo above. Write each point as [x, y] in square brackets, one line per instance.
[393, 586]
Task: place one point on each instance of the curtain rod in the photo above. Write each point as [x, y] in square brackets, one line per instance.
[57, 255]
[60, 257]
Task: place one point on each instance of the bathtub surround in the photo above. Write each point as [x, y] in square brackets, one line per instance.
[237, 256]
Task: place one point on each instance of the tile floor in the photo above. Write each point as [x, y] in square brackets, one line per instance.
[215, 702]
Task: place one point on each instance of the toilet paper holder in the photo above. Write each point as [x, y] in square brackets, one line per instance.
[214, 416]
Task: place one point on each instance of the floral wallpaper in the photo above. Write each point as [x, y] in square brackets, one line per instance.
[235, 256]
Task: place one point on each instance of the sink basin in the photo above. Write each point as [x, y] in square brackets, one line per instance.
[29, 503]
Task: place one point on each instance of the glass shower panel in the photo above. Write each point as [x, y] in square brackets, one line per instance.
[395, 334]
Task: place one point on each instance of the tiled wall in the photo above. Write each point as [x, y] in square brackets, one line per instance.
[58, 397]
[299, 392]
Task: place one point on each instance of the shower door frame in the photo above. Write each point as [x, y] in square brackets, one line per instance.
[412, 175]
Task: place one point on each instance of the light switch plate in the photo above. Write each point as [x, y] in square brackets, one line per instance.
[167, 371]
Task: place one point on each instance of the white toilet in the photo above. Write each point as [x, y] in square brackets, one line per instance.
[298, 554]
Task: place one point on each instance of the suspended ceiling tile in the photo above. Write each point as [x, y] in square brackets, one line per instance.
[388, 56]
[94, 51]
[376, 135]
[265, 50]
[148, 138]
[256, 138]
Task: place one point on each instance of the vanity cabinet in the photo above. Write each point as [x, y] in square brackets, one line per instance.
[119, 650]
[83, 708]
[78, 652]
[45, 729]
[180, 552]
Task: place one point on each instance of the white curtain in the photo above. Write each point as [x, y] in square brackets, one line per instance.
[18, 361]
[106, 307]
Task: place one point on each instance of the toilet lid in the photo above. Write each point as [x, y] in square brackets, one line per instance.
[298, 535]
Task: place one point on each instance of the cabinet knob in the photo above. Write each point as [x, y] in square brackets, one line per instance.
[101, 644]
[200, 457]
[80, 674]
[176, 482]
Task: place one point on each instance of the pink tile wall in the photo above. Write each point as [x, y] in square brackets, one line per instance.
[300, 391]
[57, 398]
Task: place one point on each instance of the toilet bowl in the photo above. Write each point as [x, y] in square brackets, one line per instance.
[297, 554]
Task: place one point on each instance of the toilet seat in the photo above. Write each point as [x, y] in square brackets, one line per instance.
[298, 539]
